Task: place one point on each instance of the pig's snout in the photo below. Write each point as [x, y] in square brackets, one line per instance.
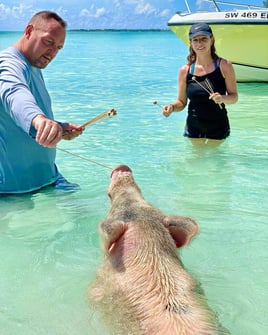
[121, 169]
[117, 178]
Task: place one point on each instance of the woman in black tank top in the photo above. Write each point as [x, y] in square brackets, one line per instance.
[209, 83]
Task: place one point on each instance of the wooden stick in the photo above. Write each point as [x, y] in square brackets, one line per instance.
[204, 88]
[208, 83]
[157, 104]
[208, 87]
[97, 118]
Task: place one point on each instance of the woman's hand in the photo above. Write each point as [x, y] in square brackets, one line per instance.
[167, 110]
[216, 97]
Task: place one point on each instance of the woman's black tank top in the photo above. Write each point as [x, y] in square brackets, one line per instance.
[200, 106]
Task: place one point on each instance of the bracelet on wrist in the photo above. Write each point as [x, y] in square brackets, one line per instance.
[172, 107]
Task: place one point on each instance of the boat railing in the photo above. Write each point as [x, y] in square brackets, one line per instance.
[217, 5]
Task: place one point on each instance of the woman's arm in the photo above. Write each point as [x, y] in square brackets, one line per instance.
[181, 102]
[230, 81]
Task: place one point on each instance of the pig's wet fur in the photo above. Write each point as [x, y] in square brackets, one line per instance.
[141, 287]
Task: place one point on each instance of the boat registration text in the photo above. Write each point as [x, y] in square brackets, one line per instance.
[247, 15]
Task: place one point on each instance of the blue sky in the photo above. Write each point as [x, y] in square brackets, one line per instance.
[101, 14]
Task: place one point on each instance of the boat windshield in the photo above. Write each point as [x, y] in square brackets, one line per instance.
[218, 6]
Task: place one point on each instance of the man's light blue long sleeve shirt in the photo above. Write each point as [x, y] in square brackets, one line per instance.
[25, 165]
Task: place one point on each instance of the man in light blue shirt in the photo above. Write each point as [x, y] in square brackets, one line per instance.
[28, 131]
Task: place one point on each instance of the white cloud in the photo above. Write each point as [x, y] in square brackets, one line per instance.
[16, 16]
[164, 13]
[100, 12]
[92, 12]
[15, 11]
[84, 13]
[144, 8]
[4, 10]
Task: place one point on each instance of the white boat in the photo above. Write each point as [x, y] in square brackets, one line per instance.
[241, 35]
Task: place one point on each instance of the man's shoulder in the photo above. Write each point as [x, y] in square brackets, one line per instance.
[10, 51]
[12, 54]
[12, 59]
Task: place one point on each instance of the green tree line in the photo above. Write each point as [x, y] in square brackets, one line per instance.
[265, 3]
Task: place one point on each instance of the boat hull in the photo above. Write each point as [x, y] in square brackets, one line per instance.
[243, 42]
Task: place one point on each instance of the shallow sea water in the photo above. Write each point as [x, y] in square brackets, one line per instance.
[49, 243]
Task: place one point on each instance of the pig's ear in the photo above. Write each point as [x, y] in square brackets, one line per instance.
[181, 228]
[111, 231]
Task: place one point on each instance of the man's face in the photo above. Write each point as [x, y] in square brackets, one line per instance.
[44, 40]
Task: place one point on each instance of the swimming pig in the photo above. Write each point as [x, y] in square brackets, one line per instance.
[142, 288]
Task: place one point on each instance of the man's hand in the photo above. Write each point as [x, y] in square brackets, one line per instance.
[71, 130]
[49, 132]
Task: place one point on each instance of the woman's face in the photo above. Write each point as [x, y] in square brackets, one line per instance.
[201, 43]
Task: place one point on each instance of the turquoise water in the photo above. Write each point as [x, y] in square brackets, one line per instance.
[49, 245]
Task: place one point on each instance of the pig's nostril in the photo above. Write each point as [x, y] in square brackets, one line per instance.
[122, 168]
